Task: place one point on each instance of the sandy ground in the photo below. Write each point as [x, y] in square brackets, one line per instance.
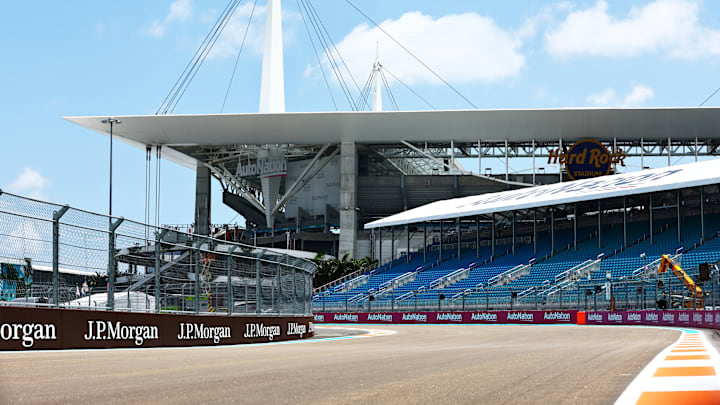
[419, 364]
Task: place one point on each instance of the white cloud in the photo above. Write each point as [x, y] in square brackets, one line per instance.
[602, 98]
[667, 27]
[637, 96]
[30, 182]
[460, 47]
[180, 10]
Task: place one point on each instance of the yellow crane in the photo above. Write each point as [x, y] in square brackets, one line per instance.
[667, 263]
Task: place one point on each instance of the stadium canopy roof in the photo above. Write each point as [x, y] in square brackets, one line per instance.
[389, 127]
[663, 179]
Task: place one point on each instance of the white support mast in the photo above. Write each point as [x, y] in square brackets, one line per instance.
[377, 93]
[272, 88]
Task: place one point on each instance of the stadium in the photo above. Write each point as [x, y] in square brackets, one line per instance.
[574, 280]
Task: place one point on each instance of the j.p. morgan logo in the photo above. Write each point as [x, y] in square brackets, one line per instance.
[484, 316]
[380, 317]
[319, 318]
[256, 330]
[193, 331]
[414, 317]
[521, 316]
[345, 317]
[587, 158]
[556, 316]
[449, 316]
[106, 330]
[28, 333]
[295, 328]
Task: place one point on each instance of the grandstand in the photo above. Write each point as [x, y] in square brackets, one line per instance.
[562, 250]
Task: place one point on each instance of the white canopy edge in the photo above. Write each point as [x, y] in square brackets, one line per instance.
[633, 183]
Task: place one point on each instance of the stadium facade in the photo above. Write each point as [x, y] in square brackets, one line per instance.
[311, 181]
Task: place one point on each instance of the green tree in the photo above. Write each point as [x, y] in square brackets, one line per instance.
[330, 269]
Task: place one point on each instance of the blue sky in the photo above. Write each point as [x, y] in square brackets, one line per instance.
[114, 58]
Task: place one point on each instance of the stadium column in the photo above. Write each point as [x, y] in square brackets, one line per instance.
[477, 236]
[552, 231]
[202, 200]
[348, 198]
[492, 237]
[407, 252]
[679, 229]
[599, 215]
[459, 238]
[424, 242]
[441, 241]
[625, 221]
[534, 231]
[650, 219]
[702, 214]
[392, 245]
[513, 231]
[575, 219]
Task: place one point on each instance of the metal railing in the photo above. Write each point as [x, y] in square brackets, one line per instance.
[81, 259]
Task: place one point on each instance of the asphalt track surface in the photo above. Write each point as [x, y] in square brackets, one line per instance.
[476, 364]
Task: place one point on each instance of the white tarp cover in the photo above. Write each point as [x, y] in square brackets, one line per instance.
[668, 178]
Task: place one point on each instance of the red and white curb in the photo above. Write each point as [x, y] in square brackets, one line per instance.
[686, 372]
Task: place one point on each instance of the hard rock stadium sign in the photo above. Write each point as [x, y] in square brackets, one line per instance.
[587, 158]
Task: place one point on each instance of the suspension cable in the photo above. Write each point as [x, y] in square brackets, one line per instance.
[347, 68]
[410, 88]
[390, 93]
[317, 56]
[329, 55]
[242, 44]
[148, 158]
[412, 54]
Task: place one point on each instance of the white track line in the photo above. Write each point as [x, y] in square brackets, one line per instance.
[647, 385]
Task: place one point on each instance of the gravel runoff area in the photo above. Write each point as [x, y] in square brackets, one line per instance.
[488, 364]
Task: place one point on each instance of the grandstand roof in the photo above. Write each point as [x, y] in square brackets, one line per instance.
[662, 179]
[312, 128]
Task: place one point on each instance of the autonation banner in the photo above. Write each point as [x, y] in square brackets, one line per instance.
[36, 328]
[695, 319]
[449, 317]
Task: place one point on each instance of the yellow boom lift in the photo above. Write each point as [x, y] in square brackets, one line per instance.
[697, 292]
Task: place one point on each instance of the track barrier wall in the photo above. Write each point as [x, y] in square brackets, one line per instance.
[41, 328]
[696, 319]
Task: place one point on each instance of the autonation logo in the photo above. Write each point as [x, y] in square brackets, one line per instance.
[346, 317]
[595, 317]
[614, 317]
[380, 317]
[319, 318]
[651, 316]
[683, 317]
[484, 316]
[521, 316]
[556, 316]
[414, 317]
[668, 317]
[449, 316]
[634, 317]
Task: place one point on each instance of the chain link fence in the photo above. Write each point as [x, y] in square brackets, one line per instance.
[59, 256]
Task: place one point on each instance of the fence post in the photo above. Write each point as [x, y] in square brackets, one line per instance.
[111, 262]
[197, 276]
[230, 296]
[158, 253]
[56, 253]
[258, 285]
